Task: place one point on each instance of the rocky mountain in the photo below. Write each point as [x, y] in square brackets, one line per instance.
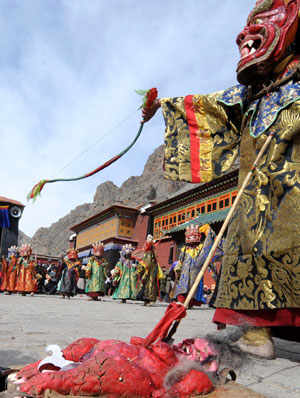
[135, 191]
[23, 238]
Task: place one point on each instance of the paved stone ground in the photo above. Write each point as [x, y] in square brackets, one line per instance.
[29, 324]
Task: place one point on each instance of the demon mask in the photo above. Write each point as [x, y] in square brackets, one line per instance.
[98, 249]
[13, 251]
[271, 28]
[25, 250]
[192, 234]
[72, 254]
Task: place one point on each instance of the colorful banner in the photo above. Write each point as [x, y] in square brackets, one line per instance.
[4, 217]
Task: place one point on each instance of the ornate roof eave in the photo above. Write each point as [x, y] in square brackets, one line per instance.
[101, 215]
[201, 191]
[206, 218]
[10, 201]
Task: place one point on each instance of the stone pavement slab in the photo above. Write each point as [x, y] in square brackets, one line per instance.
[29, 324]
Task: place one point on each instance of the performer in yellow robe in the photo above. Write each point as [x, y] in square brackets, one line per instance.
[260, 277]
[150, 274]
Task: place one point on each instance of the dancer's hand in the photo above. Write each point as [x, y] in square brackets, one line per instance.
[149, 113]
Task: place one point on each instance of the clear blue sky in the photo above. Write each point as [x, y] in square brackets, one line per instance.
[69, 69]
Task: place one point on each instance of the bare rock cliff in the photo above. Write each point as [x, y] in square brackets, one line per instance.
[135, 191]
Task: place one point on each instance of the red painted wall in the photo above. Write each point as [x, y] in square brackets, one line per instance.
[163, 252]
[140, 230]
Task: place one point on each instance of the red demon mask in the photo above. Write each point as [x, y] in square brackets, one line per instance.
[271, 27]
[72, 254]
[192, 234]
[98, 249]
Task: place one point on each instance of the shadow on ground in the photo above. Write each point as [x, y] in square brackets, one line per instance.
[10, 358]
[287, 350]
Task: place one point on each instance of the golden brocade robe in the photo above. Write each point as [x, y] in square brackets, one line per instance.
[261, 262]
[149, 269]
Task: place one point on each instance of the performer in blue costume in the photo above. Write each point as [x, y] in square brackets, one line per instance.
[188, 266]
[67, 286]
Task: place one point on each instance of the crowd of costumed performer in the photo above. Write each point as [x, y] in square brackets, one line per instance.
[260, 274]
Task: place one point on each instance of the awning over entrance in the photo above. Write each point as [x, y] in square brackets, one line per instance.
[85, 253]
[207, 218]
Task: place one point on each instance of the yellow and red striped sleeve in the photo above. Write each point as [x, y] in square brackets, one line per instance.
[192, 123]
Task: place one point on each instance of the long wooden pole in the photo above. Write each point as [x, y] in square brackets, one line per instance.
[221, 233]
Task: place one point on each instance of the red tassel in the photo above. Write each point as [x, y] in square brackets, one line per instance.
[174, 312]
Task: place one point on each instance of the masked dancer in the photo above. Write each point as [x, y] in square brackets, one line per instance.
[9, 284]
[150, 274]
[125, 276]
[67, 285]
[26, 271]
[96, 273]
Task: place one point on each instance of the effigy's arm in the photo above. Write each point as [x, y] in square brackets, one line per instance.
[201, 138]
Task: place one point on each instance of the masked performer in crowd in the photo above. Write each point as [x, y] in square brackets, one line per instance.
[150, 274]
[189, 265]
[96, 273]
[260, 278]
[125, 276]
[9, 283]
[26, 271]
[69, 275]
[3, 273]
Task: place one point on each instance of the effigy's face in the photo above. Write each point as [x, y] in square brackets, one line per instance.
[271, 28]
[198, 350]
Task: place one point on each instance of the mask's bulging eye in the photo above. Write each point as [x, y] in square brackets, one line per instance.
[257, 21]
